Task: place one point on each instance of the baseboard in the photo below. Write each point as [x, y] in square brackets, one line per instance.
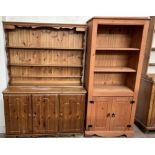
[2, 129]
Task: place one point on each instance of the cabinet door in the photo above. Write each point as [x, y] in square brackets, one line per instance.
[18, 114]
[72, 110]
[120, 113]
[45, 114]
[101, 113]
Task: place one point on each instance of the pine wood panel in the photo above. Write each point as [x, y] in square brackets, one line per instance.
[40, 54]
[44, 71]
[121, 113]
[110, 58]
[56, 57]
[118, 36]
[41, 37]
[112, 91]
[151, 118]
[145, 102]
[71, 114]
[45, 114]
[46, 81]
[18, 114]
[101, 110]
[114, 69]
[103, 79]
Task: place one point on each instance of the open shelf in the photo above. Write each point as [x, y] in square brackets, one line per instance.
[117, 49]
[151, 64]
[44, 48]
[112, 91]
[119, 37]
[114, 69]
[44, 65]
[153, 49]
[46, 76]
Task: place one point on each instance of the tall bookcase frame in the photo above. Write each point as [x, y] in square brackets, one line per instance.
[120, 32]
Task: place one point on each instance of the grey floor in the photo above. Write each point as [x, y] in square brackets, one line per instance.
[138, 134]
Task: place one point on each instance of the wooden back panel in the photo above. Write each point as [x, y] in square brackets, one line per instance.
[45, 54]
[119, 36]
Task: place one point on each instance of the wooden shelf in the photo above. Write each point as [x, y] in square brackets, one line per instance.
[45, 48]
[153, 49]
[112, 91]
[151, 64]
[41, 65]
[114, 69]
[46, 76]
[117, 49]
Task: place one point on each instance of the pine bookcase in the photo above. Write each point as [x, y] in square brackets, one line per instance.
[115, 56]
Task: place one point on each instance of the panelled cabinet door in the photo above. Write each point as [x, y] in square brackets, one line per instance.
[18, 114]
[101, 114]
[45, 114]
[72, 110]
[121, 113]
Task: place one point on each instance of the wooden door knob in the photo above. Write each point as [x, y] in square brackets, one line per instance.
[61, 114]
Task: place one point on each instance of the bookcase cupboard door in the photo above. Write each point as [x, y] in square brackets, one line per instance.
[121, 113]
[18, 114]
[101, 113]
[45, 114]
[72, 110]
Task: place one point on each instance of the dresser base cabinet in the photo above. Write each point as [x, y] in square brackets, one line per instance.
[38, 114]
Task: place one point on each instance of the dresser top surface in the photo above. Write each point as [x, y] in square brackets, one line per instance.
[39, 90]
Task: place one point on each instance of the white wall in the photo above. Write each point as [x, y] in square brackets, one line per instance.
[3, 76]
[3, 67]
